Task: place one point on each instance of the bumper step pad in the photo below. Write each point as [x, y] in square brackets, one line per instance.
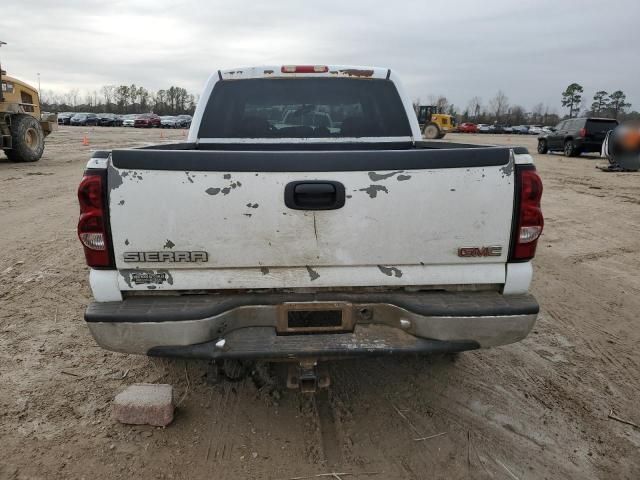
[262, 342]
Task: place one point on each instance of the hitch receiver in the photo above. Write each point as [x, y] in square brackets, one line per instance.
[308, 376]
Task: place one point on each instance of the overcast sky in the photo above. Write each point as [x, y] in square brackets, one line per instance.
[530, 49]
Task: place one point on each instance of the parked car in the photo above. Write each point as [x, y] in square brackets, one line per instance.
[64, 118]
[576, 136]
[109, 120]
[468, 127]
[535, 129]
[84, 119]
[170, 122]
[185, 120]
[241, 282]
[147, 120]
[496, 128]
[298, 117]
[128, 120]
[507, 129]
[521, 129]
[483, 128]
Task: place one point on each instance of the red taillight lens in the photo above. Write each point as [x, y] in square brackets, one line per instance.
[90, 192]
[92, 229]
[304, 69]
[583, 132]
[530, 220]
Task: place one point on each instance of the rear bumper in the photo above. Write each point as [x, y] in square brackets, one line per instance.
[389, 323]
[588, 146]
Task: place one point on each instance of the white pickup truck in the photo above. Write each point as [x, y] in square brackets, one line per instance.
[305, 219]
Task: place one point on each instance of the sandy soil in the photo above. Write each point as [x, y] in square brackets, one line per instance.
[537, 409]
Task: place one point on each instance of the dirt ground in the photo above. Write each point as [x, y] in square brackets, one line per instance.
[537, 409]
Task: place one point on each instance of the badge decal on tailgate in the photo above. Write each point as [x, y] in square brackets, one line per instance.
[148, 277]
[493, 251]
[177, 257]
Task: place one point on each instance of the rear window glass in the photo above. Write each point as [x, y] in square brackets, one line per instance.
[304, 108]
[597, 126]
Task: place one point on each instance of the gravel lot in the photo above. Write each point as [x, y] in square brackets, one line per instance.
[537, 409]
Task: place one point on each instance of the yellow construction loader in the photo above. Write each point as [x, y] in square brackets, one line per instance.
[434, 123]
[22, 128]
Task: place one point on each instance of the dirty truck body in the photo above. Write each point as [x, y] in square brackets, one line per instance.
[304, 218]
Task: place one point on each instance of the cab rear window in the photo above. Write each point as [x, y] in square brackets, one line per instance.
[304, 108]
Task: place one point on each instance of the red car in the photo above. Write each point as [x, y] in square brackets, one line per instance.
[148, 120]
[468, 128]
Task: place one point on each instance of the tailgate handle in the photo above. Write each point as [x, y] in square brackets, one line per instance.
[314, 195]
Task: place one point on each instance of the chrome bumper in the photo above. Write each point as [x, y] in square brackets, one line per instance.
[249, 331]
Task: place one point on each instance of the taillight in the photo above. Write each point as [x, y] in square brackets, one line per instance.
[304, 69]
[529, 220]
[92, 225]
[583, 132]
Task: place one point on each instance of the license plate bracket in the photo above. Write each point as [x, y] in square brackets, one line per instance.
[315, 317]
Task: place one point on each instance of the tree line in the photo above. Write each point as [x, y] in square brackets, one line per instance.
[121, 99]
[497, 109]
[605, 104]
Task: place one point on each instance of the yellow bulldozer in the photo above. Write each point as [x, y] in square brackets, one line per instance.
[22, 127]
[433, 122]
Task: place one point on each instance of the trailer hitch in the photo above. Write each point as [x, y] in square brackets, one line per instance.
[308, 376]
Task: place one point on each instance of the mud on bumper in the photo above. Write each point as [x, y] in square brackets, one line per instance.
[249, 326]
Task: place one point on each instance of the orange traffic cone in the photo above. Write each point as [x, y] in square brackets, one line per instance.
[85, 141]
[183, 133]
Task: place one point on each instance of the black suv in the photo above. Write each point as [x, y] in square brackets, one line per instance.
[576, 135]
[84, 119]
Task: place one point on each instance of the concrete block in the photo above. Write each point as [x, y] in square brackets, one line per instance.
[145, 404]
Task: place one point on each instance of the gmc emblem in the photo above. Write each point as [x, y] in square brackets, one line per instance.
[494, 251]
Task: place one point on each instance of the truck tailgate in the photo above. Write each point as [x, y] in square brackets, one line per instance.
[197, 219]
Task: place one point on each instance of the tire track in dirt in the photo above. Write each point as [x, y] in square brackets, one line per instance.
[312, 437]
[220, 432]
[331, 441]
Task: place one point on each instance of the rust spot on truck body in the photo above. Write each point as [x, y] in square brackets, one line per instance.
[372, 190]
[382, 176]
[313, 275]
[114, 178]
[507, 170]
[390, 271]
[356, 72]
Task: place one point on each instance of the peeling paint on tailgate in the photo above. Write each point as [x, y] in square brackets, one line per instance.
[390, 232]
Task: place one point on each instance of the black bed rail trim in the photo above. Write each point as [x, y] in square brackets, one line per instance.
[101, 154]
[518, 150]
[308, 161]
